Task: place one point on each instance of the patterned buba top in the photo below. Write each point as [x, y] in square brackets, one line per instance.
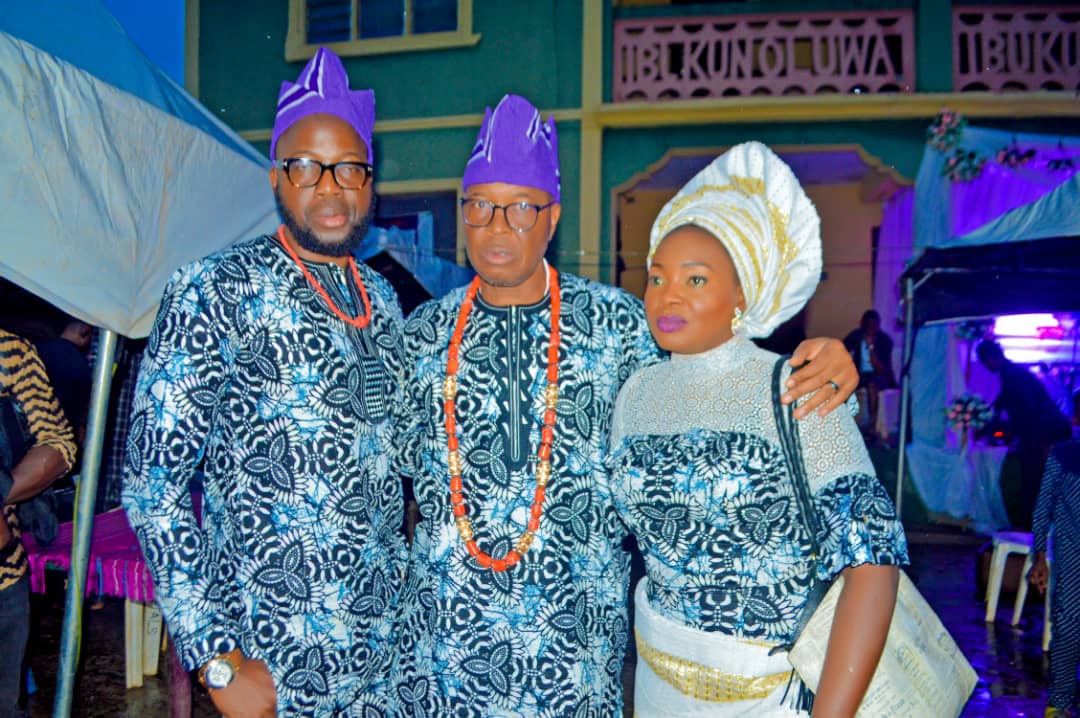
[546, 637]
[698, 475]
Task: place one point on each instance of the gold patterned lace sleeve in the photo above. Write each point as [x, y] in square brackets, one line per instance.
[22, 375]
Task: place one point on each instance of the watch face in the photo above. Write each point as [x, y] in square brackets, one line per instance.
[219, 673]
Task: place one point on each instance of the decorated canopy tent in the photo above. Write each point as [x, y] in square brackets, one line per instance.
[114, 176]
[996, 225]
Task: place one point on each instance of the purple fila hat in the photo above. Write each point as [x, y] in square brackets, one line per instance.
[323, 87]
[514, 146]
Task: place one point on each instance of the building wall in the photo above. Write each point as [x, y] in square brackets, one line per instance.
[429, 104]
[847, 226]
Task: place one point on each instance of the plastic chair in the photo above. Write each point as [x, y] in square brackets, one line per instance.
[1005, 543]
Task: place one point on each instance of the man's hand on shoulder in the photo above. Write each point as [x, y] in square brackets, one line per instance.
[830, 370]
[251, 694]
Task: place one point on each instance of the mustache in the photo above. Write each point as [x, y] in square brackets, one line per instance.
[310, 241]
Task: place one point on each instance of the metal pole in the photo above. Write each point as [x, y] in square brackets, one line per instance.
[905, 386]
[84, 521]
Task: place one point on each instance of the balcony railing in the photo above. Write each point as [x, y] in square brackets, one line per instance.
[740, 55]
[1003, 48]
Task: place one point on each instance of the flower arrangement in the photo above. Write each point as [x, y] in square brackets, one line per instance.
[1012, 156]
[968, 411]
[1061, 164]
[974, 330]
[963, 166]
[944, 133]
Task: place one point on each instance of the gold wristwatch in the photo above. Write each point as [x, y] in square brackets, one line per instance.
[220, 671]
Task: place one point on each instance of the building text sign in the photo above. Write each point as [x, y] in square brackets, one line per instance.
[1022, 48]
[741, 55]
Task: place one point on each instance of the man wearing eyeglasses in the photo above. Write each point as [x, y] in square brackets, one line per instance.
[515, 602]
[271, 367]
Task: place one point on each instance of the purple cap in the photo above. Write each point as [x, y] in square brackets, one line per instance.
[514, 146]
[323, 87]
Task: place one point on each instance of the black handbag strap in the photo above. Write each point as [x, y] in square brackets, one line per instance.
[788, 430]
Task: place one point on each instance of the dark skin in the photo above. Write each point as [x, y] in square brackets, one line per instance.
[330, 212]
[325, 209]
[39, 468]
[511, 269]
[691, 294]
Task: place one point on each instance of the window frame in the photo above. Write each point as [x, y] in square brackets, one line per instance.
[298, 48]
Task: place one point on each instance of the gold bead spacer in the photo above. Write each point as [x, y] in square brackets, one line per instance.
[551, 396]
[524, 542]
[543, 473]
[449, 390]
[453, 461]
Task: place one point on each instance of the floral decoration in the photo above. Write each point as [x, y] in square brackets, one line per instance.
[963, 166]
[944, 133]
[968, 411]
[1013, 157]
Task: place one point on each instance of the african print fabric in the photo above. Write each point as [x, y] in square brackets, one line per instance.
[547, 636]
[700, 478]
[285, 408]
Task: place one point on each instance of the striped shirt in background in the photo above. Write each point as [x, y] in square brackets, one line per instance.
[23, 377]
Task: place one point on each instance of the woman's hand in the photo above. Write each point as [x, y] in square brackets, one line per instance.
[830, 370]
[860, 626]
[250, 695]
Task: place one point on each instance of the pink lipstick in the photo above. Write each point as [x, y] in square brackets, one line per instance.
[670, 324]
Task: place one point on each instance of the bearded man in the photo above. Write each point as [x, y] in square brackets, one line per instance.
[271, 367]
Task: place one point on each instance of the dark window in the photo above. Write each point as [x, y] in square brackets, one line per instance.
[332, 20]
[434, 16]
[382, 18]
[329, 21]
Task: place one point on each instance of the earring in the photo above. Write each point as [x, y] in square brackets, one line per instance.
[736, 321]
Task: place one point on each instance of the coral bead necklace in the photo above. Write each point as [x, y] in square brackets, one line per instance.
[361, 320]
[547, 434]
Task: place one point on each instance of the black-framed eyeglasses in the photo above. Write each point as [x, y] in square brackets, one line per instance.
[521, 216]
[306, 172]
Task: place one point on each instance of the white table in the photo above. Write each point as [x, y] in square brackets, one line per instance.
[963, 484]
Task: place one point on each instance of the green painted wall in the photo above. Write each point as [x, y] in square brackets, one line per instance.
[531, 47]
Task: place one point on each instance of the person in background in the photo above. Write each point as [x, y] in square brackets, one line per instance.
[1033, 420]
[30, 464]
[65, 359]
[871, 349]
[1057, 513]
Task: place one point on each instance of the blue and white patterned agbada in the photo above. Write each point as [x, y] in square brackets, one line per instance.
[546, 637]
[249, 377]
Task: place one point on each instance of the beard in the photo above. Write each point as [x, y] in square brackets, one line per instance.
[308, 240]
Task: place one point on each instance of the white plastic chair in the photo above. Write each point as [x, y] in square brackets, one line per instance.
[1005, 543]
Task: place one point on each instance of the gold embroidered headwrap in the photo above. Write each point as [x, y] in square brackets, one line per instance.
[751, 201]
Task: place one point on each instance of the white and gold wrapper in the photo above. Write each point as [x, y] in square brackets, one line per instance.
[683, 672]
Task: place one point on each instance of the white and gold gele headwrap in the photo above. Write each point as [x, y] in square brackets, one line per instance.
[751, 201]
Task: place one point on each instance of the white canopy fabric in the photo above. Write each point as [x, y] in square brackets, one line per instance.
[113, 175]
